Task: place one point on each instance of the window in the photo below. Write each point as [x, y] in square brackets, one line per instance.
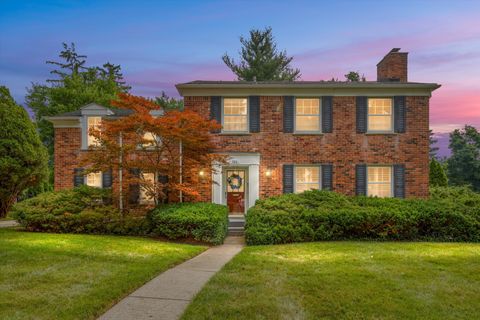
[145, 196]
[235, 112]
[94, 179]
[93, 123]
[307, 178]
[307, 115]
[150, 140]
[379, 181]
[380, 115]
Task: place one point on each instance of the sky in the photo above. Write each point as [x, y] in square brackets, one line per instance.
[161, 43]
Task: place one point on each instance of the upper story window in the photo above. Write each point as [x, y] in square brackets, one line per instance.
[307, 115]
[94, 179]
[307, 178]
[235, 115]
[93, 123]
[380, 115]
[150, 140]
[379, 181]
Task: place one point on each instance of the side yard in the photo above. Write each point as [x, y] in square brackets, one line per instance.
[53, 276]
[345, 280]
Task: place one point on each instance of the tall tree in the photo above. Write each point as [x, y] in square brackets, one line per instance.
[438, 177]
[168, 103]
[464, 164]
[260, 60]
[74, 86]
[433, 148]
[150, 143]
[23, 158]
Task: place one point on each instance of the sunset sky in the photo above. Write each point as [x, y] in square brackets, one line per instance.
[159, 43]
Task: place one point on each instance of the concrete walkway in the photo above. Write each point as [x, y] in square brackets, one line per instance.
[168, 295]
[8, 224]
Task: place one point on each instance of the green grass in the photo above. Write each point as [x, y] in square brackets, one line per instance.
[345, 280]
[60, 276]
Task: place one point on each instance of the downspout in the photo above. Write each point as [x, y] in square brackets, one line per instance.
[120, 173]
[181, 169]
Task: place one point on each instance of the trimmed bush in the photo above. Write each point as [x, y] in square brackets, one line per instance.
[452, 214]
[80, 210]
[206, 222]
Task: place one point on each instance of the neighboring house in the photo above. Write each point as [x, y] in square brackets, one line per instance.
[365, 138]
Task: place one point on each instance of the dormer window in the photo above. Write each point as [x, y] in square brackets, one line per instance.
[93, 124]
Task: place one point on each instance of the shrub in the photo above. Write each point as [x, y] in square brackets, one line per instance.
[80, 210]
[205, 222]
[452, 214]
[438, 177]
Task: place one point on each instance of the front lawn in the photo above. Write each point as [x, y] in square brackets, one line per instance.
[345, 280]
[59, 276]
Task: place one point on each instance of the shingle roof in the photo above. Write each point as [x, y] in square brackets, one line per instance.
[78, 113]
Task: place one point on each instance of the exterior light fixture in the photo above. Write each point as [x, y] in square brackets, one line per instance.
[268, 173]
[201, 173]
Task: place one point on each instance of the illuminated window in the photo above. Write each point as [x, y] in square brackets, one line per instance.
[93, 124]
[145, 195]
[380, 114]
[379, 181]
[235, 112]
[150, 140]
[94, 179]
[307, 178]
[307, 115]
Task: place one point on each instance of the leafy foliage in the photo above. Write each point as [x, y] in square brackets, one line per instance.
[354, 76]
[75, 85]
[23, 158]
[464, 164]
[167, 103]
[160, 156]
[80, 210]
[260, 60]
[206, 222]
[438, 177]
[321, 215]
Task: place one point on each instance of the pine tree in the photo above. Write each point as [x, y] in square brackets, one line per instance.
[260, 60]
[433, 149]
[438, 177]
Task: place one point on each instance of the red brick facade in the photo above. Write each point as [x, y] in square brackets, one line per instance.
[343, 147]
[68, 142]
[393, 67]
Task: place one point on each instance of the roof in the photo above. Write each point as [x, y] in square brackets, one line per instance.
[208, 87]
[78, 113]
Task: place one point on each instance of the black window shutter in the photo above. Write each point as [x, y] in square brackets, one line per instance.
[288, 178]
[362, 112]
[399, 114]
[361, 179]
[288, 114]
[216, 110]
[134, 189]
[327, 177]
[254, 113]
[78, 177]
[399, 181]
[107, 179]
[163, 179]
[327, 114]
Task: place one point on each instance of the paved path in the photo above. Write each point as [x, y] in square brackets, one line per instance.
[8, 223]
[168, 295]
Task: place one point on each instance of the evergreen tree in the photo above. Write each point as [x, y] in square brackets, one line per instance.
[433, 149]
[168, 103]
[23, 158]
[438, 177]
[464, 164]
[260, 60]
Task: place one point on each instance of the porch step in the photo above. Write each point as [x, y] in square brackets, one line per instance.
[236, 224]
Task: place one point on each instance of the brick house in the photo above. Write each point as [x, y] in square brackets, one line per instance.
[364, 138]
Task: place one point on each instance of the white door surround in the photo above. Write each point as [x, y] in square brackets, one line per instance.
[251, 162]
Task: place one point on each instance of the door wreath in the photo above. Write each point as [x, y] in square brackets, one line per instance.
[235, 181]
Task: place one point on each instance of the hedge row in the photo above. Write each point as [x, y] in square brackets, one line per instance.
[206, 222]
[452, 214]
[86, 210]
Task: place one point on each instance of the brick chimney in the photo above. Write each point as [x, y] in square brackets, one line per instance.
[393, 67]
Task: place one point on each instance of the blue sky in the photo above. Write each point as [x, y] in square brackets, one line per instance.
[160, 43]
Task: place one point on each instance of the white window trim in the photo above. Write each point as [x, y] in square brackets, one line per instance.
[319, 131]
[247, 115]
[307, 165]
[391, 178]
[392, 123]
[85, 180]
